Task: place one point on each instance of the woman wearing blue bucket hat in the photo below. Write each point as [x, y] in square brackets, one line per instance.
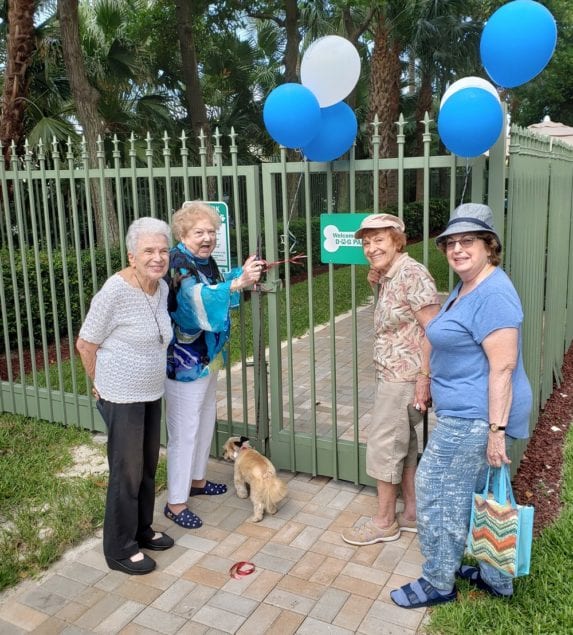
[482, 400]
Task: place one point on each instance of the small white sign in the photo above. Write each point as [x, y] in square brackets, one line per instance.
[222, 252]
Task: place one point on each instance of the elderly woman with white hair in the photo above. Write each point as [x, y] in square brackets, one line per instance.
[122, 344]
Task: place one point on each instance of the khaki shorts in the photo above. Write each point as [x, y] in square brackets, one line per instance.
[392, 441]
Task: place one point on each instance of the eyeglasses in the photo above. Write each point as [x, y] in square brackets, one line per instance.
[465, 243]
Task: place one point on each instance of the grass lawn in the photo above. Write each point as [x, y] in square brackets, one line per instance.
[42, 514]
[542, 602]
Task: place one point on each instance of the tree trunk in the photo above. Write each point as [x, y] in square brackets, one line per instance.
[353, 32]
[385, 73]
[193, 92]
[292, 41]
[86, 99]
[423, 106]
[20, 47]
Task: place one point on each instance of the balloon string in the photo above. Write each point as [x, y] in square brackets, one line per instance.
[296, 192]
[288, 248]
[467, 175]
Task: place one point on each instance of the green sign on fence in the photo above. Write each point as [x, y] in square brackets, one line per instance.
[337, 242]
[222, 252]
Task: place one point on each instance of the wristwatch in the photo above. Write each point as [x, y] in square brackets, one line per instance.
[495, 427]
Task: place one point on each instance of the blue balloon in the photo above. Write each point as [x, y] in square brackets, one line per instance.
[292, 115]
[470, 122]
[335, 135]
[517, 42]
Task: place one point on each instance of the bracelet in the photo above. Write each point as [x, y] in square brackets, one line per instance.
[424, 373]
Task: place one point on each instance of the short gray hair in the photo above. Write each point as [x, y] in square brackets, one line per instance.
[145, 225]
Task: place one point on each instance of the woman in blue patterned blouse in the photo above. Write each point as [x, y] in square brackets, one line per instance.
[199, 305]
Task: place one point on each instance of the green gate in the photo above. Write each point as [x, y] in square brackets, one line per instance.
[304, 400]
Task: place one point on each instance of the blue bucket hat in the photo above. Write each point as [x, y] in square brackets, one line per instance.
[469, 217]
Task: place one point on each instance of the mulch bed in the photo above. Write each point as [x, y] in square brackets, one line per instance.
[538, 478]
[27, 356]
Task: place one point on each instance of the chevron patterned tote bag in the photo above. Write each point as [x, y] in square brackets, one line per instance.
[501, 531]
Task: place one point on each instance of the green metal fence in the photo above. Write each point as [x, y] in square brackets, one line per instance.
[59, 217]
[539, 257]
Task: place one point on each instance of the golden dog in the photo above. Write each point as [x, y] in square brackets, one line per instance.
[256, 471]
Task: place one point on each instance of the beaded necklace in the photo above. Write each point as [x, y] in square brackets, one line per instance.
[154, 313]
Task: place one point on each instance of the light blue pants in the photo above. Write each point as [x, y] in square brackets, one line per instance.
[452, 468]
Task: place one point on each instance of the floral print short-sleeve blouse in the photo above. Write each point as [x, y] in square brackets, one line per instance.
[407, 288]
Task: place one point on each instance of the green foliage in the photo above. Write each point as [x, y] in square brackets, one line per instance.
[542, 601]
[40, 283]
[414, 217]
[551, 92]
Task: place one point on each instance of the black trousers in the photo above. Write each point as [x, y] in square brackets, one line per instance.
[132, 454]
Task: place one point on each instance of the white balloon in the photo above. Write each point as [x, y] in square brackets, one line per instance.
[330, 68]
[469, 82]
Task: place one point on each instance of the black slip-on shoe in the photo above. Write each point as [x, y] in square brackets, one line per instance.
[157, 544]
[126, 565]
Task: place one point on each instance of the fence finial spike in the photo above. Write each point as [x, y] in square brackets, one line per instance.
[375, 124]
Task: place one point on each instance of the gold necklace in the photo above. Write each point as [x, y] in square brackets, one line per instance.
[154, 313]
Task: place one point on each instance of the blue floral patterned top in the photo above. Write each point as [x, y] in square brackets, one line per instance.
[199, 305]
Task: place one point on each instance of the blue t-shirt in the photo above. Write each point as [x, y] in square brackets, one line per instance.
[458, 363]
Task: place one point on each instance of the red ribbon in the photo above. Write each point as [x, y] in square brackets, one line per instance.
[295, 260]
[241, 569]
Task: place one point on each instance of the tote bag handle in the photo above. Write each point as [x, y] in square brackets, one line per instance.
[501, 485]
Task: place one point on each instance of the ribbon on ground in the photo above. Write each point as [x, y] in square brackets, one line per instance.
[241, 569]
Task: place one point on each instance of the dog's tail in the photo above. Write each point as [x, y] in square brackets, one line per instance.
[275, 490]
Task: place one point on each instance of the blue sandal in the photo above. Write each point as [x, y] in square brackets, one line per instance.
[209, 489]
[473, 576]
[420, 594]
[185, 518]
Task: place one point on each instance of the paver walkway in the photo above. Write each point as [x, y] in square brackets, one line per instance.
[324, 384]
[307, 579]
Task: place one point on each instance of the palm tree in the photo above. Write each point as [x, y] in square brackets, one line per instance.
[21, 44]
[190, 74]
[443, 46]
[389, 25]
[285, 15]
[86, 97]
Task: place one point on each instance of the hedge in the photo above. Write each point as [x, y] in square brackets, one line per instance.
[73, 289]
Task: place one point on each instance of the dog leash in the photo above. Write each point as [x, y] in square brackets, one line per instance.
[241, 569]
